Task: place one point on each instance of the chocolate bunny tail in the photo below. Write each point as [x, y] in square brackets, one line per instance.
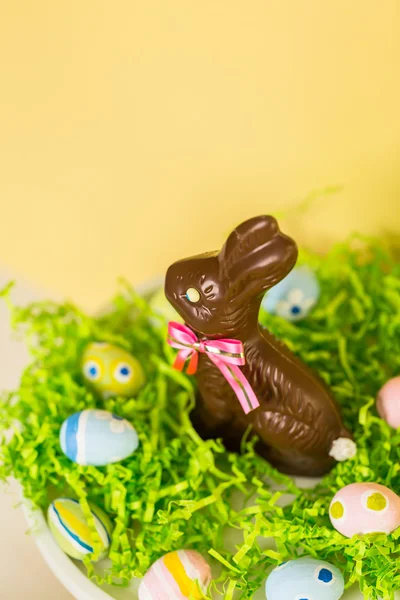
[342, 449]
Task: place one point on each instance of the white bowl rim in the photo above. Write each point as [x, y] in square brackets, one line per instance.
[74, 580]
[66, 571]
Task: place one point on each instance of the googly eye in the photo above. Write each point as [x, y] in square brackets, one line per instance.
[92, 370]
[192, 294]
[123, 372]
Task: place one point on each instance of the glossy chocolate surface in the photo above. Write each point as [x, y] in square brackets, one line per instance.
[298, 418]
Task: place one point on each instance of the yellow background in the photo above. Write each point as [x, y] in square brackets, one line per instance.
[133, 132]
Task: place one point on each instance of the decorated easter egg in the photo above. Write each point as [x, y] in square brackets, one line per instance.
[294, 296]
[361, 508]
[305, 578]
[175, 575]
[160, 305]
[388, 402]
[112, 371]
[97, 437]
[72, 532]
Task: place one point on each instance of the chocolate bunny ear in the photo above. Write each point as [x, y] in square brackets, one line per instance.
[256, 256]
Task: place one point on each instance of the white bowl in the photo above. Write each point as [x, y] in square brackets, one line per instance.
[72, 573]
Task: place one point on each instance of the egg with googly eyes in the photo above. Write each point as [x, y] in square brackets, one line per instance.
[111, 370]
[97, 438]
[305, 578]
[361, 508]
[294, 297]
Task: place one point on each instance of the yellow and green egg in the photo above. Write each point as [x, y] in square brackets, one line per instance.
[111, 370]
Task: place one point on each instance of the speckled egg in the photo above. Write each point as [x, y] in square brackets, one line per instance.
[175, 575]
[305, 579]
[361, 508]
[71, 531]
[160, 305]
[97, 437]
[388, 402]
[294, 296]
[112, 371]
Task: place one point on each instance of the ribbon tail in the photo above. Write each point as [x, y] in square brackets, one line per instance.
[192, 366]
[180, 360]
[239, 384]
[246, 389]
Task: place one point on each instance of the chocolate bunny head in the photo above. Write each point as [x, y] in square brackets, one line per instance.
[219, 293]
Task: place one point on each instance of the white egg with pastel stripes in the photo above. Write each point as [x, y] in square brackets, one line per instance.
[97, 438]
[72, 532]
[178, 575]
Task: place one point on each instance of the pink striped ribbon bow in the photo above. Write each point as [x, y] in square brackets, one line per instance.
[226, 354]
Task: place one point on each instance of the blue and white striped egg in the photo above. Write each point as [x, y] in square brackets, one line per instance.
[72, 532]
[294, 296]
[305, 578]
[97, 437]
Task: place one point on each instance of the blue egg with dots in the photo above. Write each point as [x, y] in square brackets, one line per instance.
[305, 578]
[294, 297]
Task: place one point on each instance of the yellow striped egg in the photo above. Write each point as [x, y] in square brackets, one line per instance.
[178, 575]
[72, 532]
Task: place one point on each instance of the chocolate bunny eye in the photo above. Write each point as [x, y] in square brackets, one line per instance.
[192, 294]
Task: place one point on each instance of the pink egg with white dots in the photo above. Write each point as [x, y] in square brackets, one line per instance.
[361, 508]
[388, 402]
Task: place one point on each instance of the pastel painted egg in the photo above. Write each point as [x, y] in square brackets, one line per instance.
[388, 402]
[97, 437]
[305, 578]
[294, 296]
[175, 576]
[160, 305]
[71, 531]
[361, 508]
[111, 370]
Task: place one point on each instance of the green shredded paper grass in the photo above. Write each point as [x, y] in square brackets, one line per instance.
[178, 491]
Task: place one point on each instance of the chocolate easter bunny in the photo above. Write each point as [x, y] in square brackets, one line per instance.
[218, 295]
